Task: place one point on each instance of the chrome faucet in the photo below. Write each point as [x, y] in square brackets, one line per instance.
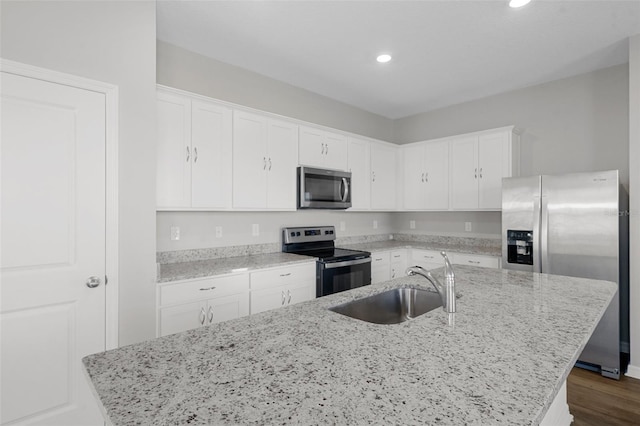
[447, 291]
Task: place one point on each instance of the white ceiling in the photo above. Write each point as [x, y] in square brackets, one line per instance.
[444, 52]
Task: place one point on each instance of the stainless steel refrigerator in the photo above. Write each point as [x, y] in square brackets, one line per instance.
[571, 225]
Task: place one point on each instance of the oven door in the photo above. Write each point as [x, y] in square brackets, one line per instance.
[334, 277]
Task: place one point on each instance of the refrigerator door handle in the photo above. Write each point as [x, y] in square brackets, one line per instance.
[537, 236]
[544, 236]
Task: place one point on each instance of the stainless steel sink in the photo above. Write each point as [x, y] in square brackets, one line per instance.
[392, 306]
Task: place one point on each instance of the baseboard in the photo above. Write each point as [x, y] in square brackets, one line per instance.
[633, 371]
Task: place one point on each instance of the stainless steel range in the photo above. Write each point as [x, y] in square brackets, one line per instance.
[337, 269]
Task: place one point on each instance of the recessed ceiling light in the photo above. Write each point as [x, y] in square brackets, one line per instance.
[383, 58]
[518, 3]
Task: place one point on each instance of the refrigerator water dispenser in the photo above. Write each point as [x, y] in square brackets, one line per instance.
[520, 247]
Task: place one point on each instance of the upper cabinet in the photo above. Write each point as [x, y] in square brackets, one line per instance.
[383, 176]
[426, 176]
[322, 149]
[265, 157]
[194, 153]
[479, 161]
[359, 165]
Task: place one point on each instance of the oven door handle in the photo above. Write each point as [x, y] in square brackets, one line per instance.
[334, 265]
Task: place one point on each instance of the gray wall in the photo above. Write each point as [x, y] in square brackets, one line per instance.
[575, 124]
[190, 71]
[197, 229]
[94, 40]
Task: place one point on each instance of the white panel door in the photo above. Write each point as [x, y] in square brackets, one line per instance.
[335, 151]
[312, 147]
[282, 147]
[249, 160]
[464, 173]
[173, 173]
[211, 144]
[492, 159]
[359, 164]
[175, 319]
[227, 308]
[436, 175]
[53, 241]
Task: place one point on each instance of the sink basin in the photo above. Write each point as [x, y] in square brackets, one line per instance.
[392, 306]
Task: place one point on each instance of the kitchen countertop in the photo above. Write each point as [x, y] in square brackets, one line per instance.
[395, 244]
[515, 339]
[226, 265]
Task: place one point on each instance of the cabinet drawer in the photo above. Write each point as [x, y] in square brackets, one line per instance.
[399, 255]
[206, 288]
[476, 260]
[380, 258]
[290, 275]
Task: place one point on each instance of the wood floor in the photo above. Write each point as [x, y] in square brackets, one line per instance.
[598, 401]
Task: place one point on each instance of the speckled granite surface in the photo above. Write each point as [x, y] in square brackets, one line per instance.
[426, 245]
[205, 268]
[515, 339]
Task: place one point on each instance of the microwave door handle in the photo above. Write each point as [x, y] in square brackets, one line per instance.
[345, 184]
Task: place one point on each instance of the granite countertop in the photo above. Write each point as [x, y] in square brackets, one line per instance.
[515, 339]
[225, 265]
[438, 246]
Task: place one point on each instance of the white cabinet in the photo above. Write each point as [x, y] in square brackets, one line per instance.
[428, 259]
[479, 161]
[475, 260]
[383, 176]
[380, 264]
[426, 176]
[194, 303]
[398, 266]
[194, 153]
[319, 148]
[277, 287]
[264, 162]
[359, 166]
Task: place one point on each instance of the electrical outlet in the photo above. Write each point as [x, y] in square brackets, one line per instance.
[218, 231]
[467, 226]
[412, 224]
[375, 224]
[255, 230]
[175, 233]
[343, 225]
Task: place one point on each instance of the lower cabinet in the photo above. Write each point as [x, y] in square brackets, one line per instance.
[195, 303]
[476, 260]
[282, 286]
[380, 263]
[428, 259]
[398, 263]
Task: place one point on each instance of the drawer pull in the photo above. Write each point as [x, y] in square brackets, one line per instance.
[474, 262]
[210, 314]
[283, 297]
[285, 275]
[397, 256]
[207, 289]
[378, 260]
[289, 294]
[203, 316]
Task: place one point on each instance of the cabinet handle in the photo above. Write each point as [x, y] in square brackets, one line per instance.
[188, 154]
[264, 163]
[393, 273]
[283, 297]
[475, 173]
[475, 262]
[396, 256]
[195, 154]
[480, 172]
[373, 175]
[422, 177]
[285, 275]
[269, 163]
[327, 148]
[426, 177]
[207, 288]
[289, 294]
[322, 150]
[203, 316]
[378, 260]
[210, 314]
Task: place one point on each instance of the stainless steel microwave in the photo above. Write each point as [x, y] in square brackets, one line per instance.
[323, 189]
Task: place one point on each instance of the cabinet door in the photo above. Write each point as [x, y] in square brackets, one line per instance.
[300, 293]
[380, 263]
[249, 160]
[359, 162]
[175, 319]
[436, 175]
[282, 148]
[311, 147]
[464, 173]
[398, 263]
[335, 151]
[268, 298]
[227, 308]
[493, 161]
[211, 145]
[414, 184]
[173, 173]
[383, 177]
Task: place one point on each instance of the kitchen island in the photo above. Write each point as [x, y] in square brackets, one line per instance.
[502, 359]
